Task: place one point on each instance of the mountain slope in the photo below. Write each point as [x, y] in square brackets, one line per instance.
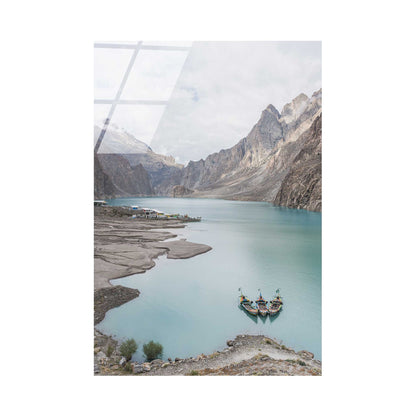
[302, 186]
[278, 161]
[119, 146]
[255, 167]
[125, 179]
[103, 186]
[117, 141]
[247, 154]
[163, 171]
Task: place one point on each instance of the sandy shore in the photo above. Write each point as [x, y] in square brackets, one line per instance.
[124, 246]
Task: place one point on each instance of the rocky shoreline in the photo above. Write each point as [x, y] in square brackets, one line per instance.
[246, 355]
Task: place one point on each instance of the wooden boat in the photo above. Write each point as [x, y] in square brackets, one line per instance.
[275, 304]
[247, 305]
[262, 305]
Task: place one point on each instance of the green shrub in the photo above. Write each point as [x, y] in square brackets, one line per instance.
[128, 368]
[300, 362]
[110, 350]
[128, 348]
[152, 350]
[193, 373]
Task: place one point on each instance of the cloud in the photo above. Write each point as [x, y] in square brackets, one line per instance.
[220, 93]
[139, 120]
[109, 68]
[154, 75]
[223, 88]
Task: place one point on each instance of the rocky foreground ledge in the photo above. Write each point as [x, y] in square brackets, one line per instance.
[246, 355]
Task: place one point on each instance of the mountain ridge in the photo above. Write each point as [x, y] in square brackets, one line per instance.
[255, 168]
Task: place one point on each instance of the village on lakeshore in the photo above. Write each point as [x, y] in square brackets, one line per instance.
[149, 213]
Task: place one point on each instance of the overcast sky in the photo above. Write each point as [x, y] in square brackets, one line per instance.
[216, 91]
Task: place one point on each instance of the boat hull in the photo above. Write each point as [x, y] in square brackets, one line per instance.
[262, 306]
[274, 311]
[275, 306]
[253, 312]
[246, 305]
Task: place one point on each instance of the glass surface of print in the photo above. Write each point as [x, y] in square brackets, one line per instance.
[207, 208]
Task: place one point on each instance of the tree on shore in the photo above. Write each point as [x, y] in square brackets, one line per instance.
[128, 348]
[152, 350]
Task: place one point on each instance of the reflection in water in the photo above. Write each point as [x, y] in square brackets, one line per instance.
[252, 317]
[274, 317]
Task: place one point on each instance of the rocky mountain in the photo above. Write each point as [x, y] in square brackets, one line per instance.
[278, 161]
[119, 141]
[256, 166]
[248, 153]
[179, 191]
[103, 186]
[115, 177]
[163, 171]
[131, 167]
[302, 186]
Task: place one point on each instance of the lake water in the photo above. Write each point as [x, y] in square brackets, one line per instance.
[190, 306]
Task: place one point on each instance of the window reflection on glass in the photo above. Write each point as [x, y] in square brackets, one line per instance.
[109, 68]
[139, 120]
[154, 75]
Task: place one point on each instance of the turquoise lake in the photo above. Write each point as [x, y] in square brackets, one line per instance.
[190, 306]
